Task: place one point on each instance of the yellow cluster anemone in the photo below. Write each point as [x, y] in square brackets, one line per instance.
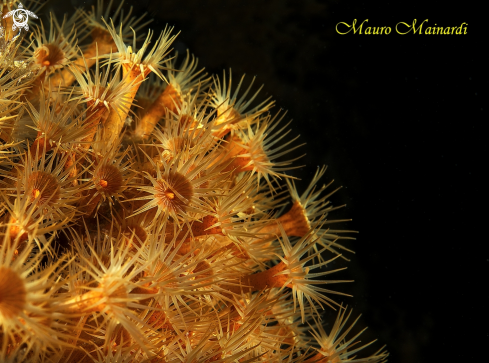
[147, 213]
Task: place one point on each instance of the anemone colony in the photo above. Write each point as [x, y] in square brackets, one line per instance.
[145, 210]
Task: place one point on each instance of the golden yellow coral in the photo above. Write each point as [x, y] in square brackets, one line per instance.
[135, 224]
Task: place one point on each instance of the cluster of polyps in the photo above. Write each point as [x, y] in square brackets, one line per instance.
[142, 210]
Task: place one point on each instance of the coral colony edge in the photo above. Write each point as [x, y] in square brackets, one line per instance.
[146, 210]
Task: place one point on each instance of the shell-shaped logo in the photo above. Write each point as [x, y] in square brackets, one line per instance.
[20, 17]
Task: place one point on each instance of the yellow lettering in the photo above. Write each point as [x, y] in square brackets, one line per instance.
[344, 24]
[420, 28]
[352, 27]
[361, 25]
[397, 30]
[411, 27]
[459, 29]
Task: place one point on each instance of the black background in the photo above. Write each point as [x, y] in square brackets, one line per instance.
[399, 121]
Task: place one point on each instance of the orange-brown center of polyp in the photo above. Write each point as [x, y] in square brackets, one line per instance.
[12, 293]
[14, 230]
[108, 179]
[49, 54]
[44, 186]
[174, 192]
[36, 193]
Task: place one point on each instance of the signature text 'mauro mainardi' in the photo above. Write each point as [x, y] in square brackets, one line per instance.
[401, 28]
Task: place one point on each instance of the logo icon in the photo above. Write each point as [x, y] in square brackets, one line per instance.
[20, 17]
